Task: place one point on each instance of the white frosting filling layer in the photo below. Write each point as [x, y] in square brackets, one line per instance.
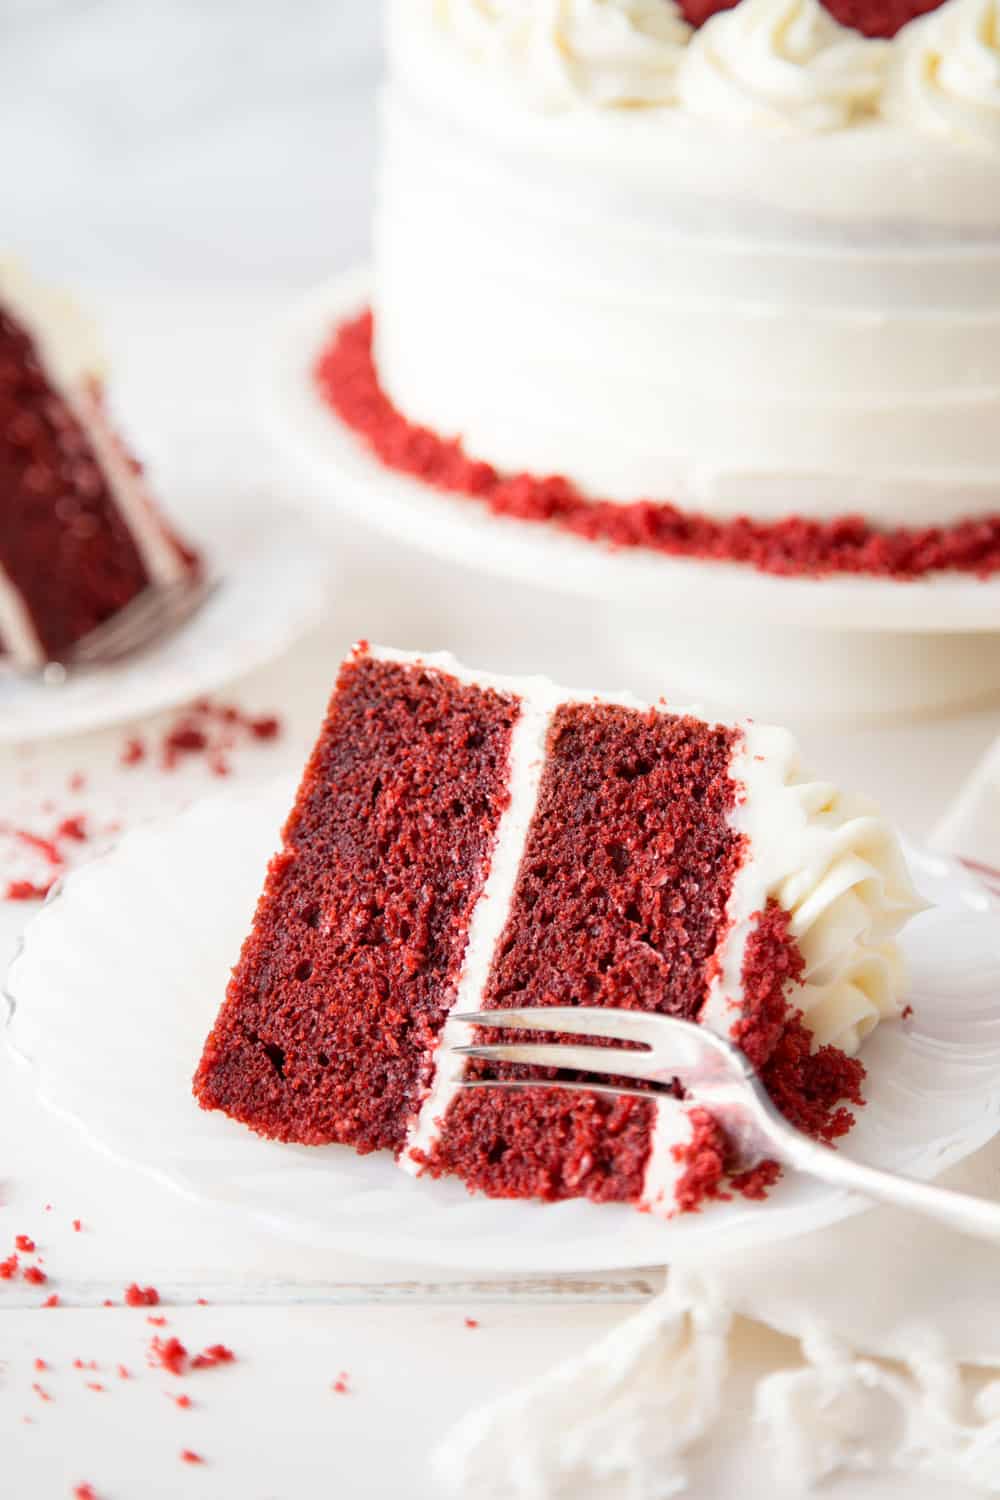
[829, 860]
[67, 349]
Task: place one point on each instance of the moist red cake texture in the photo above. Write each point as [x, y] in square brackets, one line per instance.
[64, 543]
[620, 902]
[344, 984]
[329, 1026]
[873, 18]
[348, 381]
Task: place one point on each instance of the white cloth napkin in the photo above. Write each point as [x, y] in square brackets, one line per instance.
[890, 1324]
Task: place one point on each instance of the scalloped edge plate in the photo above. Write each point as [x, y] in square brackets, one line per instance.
[120, 975]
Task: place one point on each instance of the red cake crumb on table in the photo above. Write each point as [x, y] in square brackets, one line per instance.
[157, 1322]
[8, 1268]
[41, 1366]
[137, 1296]
[133, 751]
[47, 848]
[77, 1226]
[124, 1373]
[84, 1492]
[27, 890]
[342, 1384]
[169, 1354]
[215, 1354]
[347, 379]
[184, 1402]
[472, 1322]
[35, 1275]
[51, 1301]
[188, 1457]
[40, 1392]
[24, 1242]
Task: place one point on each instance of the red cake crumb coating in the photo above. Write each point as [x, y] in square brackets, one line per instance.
[345, 981]
[63, 540]
[874, 18]
[620, 902]
[347, 379]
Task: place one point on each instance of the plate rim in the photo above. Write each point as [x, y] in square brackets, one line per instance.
[781, 1223]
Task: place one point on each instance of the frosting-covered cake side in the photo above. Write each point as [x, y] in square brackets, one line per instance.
[768, 286]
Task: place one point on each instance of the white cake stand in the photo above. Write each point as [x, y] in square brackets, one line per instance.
[863, 648]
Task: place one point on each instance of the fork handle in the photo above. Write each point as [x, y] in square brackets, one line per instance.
[962, 1211]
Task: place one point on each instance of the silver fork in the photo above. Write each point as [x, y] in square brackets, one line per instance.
[151, 617]
[716, 1076]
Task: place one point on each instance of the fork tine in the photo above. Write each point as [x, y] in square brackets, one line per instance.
[562, 1055]
[574, 1020]
[153, 615]
[518, 1085]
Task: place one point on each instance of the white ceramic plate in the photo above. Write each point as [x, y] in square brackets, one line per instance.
[344, 474]
[121, 974]
[273, 587]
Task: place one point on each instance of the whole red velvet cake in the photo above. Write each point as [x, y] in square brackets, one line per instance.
[79, 535]
[462, 841]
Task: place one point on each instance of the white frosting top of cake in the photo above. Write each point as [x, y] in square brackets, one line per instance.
[945, 75]
[565, 52]
[781, 64]
[776, 64]
[830, 860]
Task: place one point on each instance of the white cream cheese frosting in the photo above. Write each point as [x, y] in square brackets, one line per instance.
[776, 64]
[945, 74]
[830, 860]
[566, 52]
[781, 64]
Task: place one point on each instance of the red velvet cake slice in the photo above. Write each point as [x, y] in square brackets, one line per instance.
[79, 535]
[462, 842]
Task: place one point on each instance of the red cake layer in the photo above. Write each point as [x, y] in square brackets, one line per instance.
[64, 544]
[344, 983]
[620, 902]
[348, 380]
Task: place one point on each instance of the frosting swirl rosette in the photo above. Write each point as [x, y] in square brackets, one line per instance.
[566, 52]
[945, 74]
[784, 64]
